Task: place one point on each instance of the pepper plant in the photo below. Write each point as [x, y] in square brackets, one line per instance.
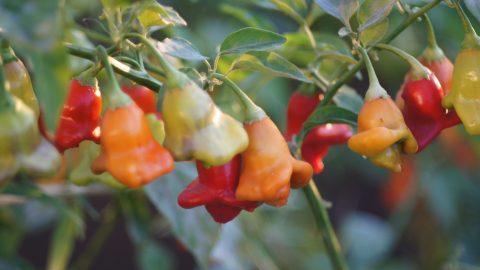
[129, 100]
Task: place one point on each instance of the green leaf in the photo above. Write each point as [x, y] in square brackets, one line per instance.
[372, 12]
[328, 114]
[288, 8]
[193, 227]
[349, 99]
[246, 16]
[340, 9]
[474, 7]
[270, 63]
[180, 48]
[116, 3]
[250, 39]
[154, 15]
[375, 33]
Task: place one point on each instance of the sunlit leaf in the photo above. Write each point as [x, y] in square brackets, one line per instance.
[270, 63]
[154, 15]
[373, 11]
[180, 48]
[250, 39]
[340, 9]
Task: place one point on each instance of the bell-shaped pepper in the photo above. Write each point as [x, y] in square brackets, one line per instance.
[145, 98]
[382, 132]
[268, 168]
[215, 189]
[318, 140]
[465, 93]
[422, 102]
[82, 174]
[17, 78]
[80, 117]
[195, 127]
[128, 150]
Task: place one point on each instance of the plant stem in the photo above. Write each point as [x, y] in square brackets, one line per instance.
[325, 226]
[418, 70]
[471, 38]
[5, 97]
[137, 76]
[332, 90]
[432, 52]
[251, 111]
[375, 90]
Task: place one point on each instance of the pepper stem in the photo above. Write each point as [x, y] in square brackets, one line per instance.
[172, 74]
[251, 111]
[375, 90]
[433, 52]
[115, 97]
[471, 38]
[7, 52]
[418, 70]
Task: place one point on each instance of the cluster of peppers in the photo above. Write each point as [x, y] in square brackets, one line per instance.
[432, 94]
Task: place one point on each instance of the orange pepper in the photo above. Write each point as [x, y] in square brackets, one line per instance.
[268, 167]
[128, 150]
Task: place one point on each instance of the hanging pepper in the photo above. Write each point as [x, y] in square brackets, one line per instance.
[268, 168]
[422, 97]
[80, 118]
[318, 140]
[17, 79]
[21, 146]
[195, 127]
[128, 150]
[400, 186]
[145, 98]
[382, 132]
[465, 94]
[82, 175]
[215, 188]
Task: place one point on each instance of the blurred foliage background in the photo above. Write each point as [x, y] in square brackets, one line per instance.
[425, 218]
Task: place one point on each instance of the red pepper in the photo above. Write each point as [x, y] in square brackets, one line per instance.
[215, 188]
[145, 98]
[80, 118]
[423, 111]
[318, 140]
[443, 70]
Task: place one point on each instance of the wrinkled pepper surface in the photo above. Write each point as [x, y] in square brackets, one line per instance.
[80, 117]
[215, 189]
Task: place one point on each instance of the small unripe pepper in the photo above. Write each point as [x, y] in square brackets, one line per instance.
[215, 189]
[382, 132]
[318, 140]
[80, 117]
[268, 168]
[465, 93]
[128, 150]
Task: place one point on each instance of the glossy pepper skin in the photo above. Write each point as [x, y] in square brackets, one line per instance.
[269, 170]
[196, 128]
[382, 134]
[128, 150]
[215, 189]
[145, 98]
[423, 111]
[80, 117]
[465, 95]
[443, 70]
[318, 140]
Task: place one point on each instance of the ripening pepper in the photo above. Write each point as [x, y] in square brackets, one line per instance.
[318, 140]
[464, 96]
[17, 79]
[82, 174]
[80, 117]
[400, 186]
[145, 98]
[128, 150]
[195, 127]
[382, 132]
[268, 168]
[215, 189]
